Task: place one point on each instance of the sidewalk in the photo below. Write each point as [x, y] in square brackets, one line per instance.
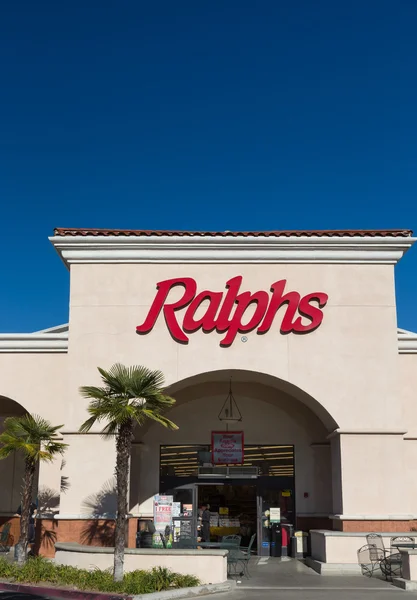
[275, 578]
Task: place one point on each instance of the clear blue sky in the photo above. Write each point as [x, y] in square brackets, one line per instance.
[219, 114]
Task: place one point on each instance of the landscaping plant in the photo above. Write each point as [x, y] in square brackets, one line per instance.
[41, 570]
[38, 441]
[129, 397]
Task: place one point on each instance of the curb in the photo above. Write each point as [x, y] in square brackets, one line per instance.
[193, 592]
[52, 592]
[405, 584]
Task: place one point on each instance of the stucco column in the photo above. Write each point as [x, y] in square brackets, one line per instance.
[371, 473]
[323, 497]
[49, 485]
[89, 471]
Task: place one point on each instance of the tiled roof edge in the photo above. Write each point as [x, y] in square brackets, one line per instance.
[77, 232]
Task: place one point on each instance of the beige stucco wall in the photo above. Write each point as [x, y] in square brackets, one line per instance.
[207, 566]
[37, 383]
[409, 564]
[350, 358]
[408, 393]
[373, 470]
[342, 548]
[348, 366]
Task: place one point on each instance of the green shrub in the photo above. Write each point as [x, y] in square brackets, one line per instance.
[42, 570]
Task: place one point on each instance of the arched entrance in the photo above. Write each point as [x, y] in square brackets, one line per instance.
[11, 472]
[12, 467]
[287, 456]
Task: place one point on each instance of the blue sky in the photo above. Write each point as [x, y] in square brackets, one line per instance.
[206, 115]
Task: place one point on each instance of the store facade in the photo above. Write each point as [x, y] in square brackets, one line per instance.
[302, 325]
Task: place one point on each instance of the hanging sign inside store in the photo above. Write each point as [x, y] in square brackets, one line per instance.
[226, 312]
[227, 447]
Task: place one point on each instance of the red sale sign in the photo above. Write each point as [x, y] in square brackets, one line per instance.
[225, 312]
[227, 447]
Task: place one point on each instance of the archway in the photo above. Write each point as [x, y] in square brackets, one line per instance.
[275, 413]
[12, 467]
[179, 389]
[11, 472]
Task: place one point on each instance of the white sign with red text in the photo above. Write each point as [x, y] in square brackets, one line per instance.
[227, 447]
[162, 512]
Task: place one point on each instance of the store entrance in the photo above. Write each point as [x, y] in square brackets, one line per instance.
[240, 498]
[233, 509]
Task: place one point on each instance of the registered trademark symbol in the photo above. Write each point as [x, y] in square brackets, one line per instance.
[244, 338]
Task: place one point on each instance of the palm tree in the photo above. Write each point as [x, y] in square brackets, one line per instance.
[130, 396]
[38, 441]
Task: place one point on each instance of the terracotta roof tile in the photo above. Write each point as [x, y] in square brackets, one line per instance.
[63, 231]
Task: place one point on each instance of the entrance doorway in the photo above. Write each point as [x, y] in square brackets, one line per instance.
[233, 509]
[240, 501]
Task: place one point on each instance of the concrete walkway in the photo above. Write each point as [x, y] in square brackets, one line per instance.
[274, 578]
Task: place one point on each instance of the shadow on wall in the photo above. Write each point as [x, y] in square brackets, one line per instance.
[48, 500]
[45, 534]
[65, 484]
[102, 506]
[45, 537]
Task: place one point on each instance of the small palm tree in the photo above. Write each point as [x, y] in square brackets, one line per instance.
[38, 441]
[130, 396]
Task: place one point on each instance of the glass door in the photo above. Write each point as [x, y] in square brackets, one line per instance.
[263, 536]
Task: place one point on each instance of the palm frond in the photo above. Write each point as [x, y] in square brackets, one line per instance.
[91, 391]
[154, 416]
[87, 425]
[132, 393]
[32, 436]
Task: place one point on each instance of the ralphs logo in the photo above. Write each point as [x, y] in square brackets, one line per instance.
[225, 311]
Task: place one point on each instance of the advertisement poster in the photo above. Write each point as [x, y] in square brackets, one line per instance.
[162, 519]
[227, 447]
[176, 530]
[176, 509]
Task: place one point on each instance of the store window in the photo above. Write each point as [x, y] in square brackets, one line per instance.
[185, 461]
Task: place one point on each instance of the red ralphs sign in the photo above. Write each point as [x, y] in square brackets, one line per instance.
[225, 312]
[227, 448]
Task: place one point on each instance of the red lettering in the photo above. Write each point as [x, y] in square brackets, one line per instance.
[226, 312]
[243, 301]
[207, 321]
[306, 309]
[292, 299]
[223, 320]
[164, 287]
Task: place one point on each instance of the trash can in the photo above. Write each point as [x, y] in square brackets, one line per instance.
[287, 532]
[144, 534]
[299, 544]
[276, 539]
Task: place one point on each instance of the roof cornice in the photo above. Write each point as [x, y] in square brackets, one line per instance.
[87, 249]
[33, 342]
[407, 342]
[58, 342]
